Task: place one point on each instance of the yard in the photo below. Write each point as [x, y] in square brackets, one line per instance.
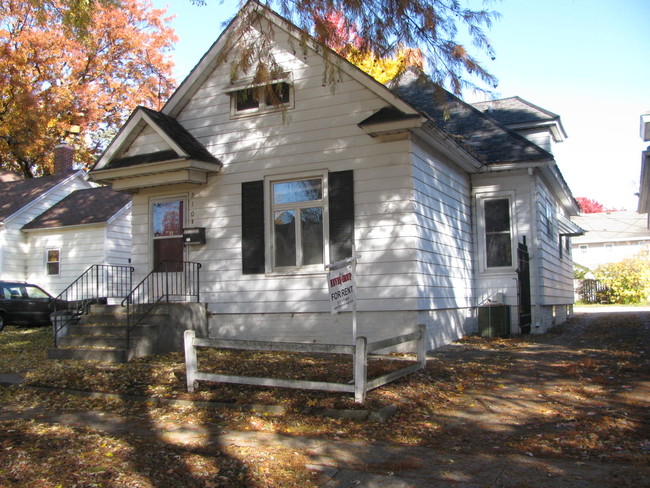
[579, 393]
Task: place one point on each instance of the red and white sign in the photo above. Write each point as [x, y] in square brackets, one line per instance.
[341, 288]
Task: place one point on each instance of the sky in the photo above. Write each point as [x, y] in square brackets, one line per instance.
[586, 60]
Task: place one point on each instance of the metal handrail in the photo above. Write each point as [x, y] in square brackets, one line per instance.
[169, 281]
[96, 284]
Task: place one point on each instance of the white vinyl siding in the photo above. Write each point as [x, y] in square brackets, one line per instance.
[80, 247]
[443, 213]
[118, 238]
[555, 266]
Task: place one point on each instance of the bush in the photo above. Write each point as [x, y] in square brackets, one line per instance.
[628, 281]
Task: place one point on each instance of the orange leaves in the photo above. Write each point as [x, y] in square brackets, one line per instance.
[51, 79]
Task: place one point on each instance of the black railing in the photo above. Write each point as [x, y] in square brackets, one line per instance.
[170, 281]
[96, 285]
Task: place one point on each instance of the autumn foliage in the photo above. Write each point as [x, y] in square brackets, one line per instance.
[345, 40]
[627, 281]
[57, 82]
[588, 205]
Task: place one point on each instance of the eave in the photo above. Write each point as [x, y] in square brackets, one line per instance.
[162, 173]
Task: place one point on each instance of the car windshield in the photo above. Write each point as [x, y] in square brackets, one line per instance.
[34, 292]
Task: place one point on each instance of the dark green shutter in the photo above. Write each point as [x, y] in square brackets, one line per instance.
[341, 214]
[252, 204]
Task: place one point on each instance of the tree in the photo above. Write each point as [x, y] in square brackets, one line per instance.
[587, 205]
[345, 41]
[384, 27]
[57, 80]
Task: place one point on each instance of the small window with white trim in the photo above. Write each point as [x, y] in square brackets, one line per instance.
[52, 262]
[259, 99]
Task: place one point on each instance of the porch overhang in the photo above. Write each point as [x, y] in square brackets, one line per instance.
[162, 173]
[567, 228]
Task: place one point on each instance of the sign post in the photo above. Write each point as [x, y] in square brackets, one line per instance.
[342, 288]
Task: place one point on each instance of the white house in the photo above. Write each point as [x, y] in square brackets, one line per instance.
[91, 226]
[435, 199]
[52, 228]
[610, 237]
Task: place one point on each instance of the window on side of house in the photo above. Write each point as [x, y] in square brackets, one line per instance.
[498, 236]
[261, 99]
[583, 249]
[298, 224]
[53, 262]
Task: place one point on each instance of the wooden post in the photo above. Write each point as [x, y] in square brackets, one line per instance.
[191, 361]
[422, 346]
[360, 369]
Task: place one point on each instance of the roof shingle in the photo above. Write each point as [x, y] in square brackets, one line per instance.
[82, 207]
[15, 195]
[481, 135]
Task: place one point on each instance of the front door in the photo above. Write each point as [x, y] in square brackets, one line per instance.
[168, 218]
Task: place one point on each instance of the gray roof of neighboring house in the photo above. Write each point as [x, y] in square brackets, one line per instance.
[612, 226]
[82, 207]
[14, 195]
[514, 111]
[483, 136]
[175, 131]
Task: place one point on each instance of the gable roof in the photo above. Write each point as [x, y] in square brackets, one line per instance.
[485, 137]
[82, 207]
[182, 144]
[612, 227]
[14, 195]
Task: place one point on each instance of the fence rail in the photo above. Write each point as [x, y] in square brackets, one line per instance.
[359, 351]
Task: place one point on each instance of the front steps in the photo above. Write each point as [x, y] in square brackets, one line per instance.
[100, 335]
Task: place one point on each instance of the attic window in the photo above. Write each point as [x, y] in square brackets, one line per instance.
[261, 98]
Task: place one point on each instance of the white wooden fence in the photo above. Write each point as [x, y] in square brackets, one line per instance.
[359, 352]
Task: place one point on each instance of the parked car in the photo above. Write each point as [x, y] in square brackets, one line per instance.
[24, 304]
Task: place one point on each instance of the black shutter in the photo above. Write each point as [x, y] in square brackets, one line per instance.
[252, 243]
[341, 214]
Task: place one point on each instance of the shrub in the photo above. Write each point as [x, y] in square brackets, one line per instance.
[628, 281]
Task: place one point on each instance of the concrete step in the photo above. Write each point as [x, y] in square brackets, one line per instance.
[103, 319]
[96, 341]
[111, 309]
[111, 355]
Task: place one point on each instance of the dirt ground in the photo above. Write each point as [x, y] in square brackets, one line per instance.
[566, 409]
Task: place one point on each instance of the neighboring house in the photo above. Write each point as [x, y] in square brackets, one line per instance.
[435, 200]
[91, 226]
[644, 186]
[610, 237]
[52, 227]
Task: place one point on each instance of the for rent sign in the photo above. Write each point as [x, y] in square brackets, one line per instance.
[341, 287]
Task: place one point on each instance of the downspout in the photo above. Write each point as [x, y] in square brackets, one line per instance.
[536, 278]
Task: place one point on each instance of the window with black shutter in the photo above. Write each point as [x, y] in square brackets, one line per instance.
[297, 227]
